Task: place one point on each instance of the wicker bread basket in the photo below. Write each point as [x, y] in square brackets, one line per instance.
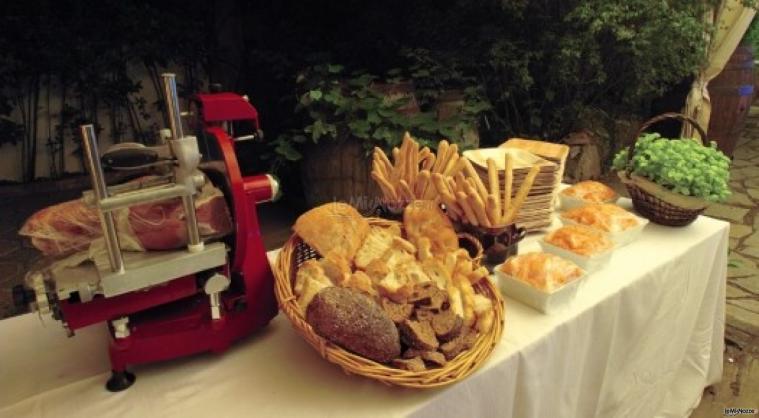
[295, 252]
[649, 205]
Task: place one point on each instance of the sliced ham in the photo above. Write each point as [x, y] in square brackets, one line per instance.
[68, 227]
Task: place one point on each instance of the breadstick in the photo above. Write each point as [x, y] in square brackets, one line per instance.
[453, 152]
[467, 297]
[521, 196]
[495, 187]
[396, 166]
[442, 150]
[507, 184]
[382, 157]
[403, 163]
[379, 166]
[406, 190]
[491, 207]
[457, 167]
[451, 205]
[451, 163]
[439, 182]
[387, 189]
[476, 203]
[422, 182]
[426, 158]
[430, 190]
[469, 170]
[414, 162]
[445, 195]
[461, 199]
[460, 182]
[451, 186]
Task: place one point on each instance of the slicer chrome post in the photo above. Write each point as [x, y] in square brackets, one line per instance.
[172, 104]
[110, 235]
[180, 145]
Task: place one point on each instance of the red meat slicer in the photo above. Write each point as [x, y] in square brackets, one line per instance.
[160, 305]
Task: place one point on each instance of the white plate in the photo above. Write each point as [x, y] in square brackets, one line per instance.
[589, 264]
[546, 302]
[620, 238]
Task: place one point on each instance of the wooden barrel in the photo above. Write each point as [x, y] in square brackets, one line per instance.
[731, 95]
[339, 171]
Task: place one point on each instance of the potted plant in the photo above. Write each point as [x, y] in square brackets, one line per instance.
[671, 181]
[344, 116]
[443, 87]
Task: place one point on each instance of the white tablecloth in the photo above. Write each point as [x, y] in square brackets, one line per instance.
[642, 339]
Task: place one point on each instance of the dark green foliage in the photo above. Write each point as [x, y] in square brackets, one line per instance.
[681, 165]
[336, 106]
[87, 55]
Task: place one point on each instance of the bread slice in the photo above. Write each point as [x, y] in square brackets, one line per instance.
[398, 312]
[415, 364]
[377, 242]
[336, 267]
[418, 334]
[333, 228]
[361, 281]
[447, 325]
[310, 269]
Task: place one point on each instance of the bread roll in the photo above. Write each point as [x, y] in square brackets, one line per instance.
[333, 227]
[355, 322]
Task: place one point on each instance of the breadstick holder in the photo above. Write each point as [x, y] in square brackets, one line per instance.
[498, 243]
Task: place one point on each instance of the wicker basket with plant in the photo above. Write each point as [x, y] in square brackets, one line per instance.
[671, 181]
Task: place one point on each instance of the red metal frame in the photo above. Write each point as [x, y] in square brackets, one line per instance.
[174, 320]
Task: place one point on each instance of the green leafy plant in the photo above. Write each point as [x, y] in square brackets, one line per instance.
[336, 106]
[681, 165]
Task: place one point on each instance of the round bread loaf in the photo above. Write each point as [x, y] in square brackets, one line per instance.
[355, 322]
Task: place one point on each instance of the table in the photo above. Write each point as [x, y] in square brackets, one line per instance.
[643, 338]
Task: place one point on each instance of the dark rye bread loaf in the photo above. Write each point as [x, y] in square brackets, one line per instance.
[355, 322]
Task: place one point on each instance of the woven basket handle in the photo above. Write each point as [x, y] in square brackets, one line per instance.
[477, 246]
[657, 119]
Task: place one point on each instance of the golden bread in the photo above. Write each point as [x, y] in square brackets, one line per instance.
[591, 192]
[424, 219]
[310, 269]
[312, 280]
[336, 267]
[543, 271]
[580, 239]
[377, 242]
[333, 228]
[419, 279]
[606, 217]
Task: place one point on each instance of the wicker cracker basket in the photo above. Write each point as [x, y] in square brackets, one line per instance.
[649, 205]
[295, 252]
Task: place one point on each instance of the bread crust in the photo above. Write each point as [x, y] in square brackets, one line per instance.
[355, 322]
[424, 219]
[335, 228]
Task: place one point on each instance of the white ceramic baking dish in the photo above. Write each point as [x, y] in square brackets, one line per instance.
[546, 302]
[620, 238]
[587, 263]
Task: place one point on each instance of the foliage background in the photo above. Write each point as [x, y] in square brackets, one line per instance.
[539, 64]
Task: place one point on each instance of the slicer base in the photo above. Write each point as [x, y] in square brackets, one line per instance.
[120, 381]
